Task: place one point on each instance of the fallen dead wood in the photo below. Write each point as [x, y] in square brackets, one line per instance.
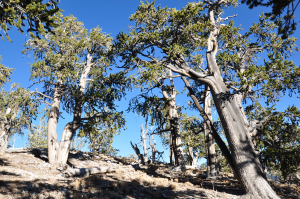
[190, 167]
[88, 171]
[17, 150]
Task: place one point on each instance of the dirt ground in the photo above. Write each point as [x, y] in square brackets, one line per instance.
[29, 175]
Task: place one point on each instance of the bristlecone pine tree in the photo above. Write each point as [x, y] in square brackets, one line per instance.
[161, 111]
[37, 135]
[232, 72]
[17, 110]
[99, 136]
[73, 65]
[193, 138]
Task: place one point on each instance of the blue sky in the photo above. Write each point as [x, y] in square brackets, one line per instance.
[112, 16]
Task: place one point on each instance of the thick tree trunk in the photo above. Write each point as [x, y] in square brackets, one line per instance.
[247, 165]
[64, 146]
[209, 141]
[3, 142]
[226, 153]
[235, 124]
[177, 143]
[58, 153]
[53, 144]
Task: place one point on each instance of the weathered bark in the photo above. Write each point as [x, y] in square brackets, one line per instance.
[235, 124]
[171, 150]
[209, 141]
[144, 145]
[52, 124]
[18, 150]
[58, 153]
[153, 147]
[138, 153]
[64, 146]
[226, 153]
[3, 142]
[174, 124]
[5, 129]
[191, 156]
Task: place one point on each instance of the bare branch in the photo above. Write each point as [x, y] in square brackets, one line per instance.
[166, 130]
[42, 94]
[257, 124]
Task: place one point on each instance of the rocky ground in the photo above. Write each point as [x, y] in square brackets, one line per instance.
[29, 175]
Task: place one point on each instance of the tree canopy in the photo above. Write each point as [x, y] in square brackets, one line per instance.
[36, 13]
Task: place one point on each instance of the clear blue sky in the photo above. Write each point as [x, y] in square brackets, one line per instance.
[112, 16]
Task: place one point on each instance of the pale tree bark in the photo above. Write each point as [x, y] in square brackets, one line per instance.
[5, 129]
[3, 142]
[209, 141]
[226, 153]
[144, 143]
[235, 124]
[53, 144]
[58, 153]
[174, 124]
[192, 157]
[153, 147]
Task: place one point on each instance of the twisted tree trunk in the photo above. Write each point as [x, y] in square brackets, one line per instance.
[235, 124]
[58, 153]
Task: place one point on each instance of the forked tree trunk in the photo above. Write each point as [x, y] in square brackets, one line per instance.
[58, 153]
[209, 141]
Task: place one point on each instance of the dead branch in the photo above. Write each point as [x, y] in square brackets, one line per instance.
[88, 171]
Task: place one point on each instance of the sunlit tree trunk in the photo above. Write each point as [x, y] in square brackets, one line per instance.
[52, 125]
[235, 124]
[58, 153]
[174, 125]
[209, 141]
[3, 142]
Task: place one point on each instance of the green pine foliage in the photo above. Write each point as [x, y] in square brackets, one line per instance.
[165, 38]
[192, 129]
[61, 60]
[283, 13]
[17, 109]
[278, 141]
[38, 14]
[37, 135]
